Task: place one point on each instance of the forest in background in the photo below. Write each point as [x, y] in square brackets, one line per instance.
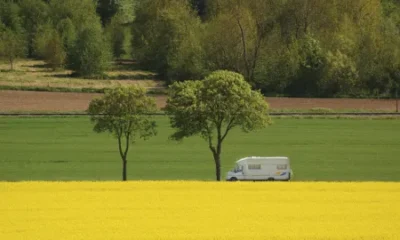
[309, 48]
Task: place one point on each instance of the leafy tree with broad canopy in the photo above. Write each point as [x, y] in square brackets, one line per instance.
[214, 106]
[91, 55]
[124, 112]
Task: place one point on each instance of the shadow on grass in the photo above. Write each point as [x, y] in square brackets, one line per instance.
[44, 65]
[64, 75]
[11, 71]
[42, 68]
[119, 65]
[138, 76]
[107, 77]
[127, 65]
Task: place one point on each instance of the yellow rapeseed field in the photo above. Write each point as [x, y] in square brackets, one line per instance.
[199, 210]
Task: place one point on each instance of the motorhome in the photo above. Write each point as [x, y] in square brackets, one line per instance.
[261, 169]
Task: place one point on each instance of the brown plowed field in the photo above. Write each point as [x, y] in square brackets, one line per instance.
[64, 102]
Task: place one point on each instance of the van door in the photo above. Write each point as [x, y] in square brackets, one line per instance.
[240, 172]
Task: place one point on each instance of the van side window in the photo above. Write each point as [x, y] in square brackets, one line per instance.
[281, 166]
[254, 166]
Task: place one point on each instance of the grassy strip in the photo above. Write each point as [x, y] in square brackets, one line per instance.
[332, 117]
[324, 150]
[275, 112]
[53, 114]
[328, 110]
[155, 91]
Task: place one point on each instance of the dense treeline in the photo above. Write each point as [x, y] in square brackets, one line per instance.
[324, 48]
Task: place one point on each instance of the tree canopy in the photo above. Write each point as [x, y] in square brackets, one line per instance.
[91, 54]
[213, 107]
[124, 112]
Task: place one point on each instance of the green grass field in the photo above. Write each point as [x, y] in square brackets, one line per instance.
[320, 149]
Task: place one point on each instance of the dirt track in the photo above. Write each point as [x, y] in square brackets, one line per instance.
[63, 102]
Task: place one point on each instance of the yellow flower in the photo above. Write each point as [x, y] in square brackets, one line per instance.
[199, 210]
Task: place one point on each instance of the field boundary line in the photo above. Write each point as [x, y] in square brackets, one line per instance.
[271, 114]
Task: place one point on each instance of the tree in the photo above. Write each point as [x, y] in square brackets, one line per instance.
[82, 13]
[167, 39]
[199, 6]
[311, 66]
[55, 54]
[118, 35]
[10, 15]
[67, 33]
[122, 112]
[126, 10]
[238, 34]
[213, 107]
[33, 13]
[49, 44]
[341, 77]
[278, 66]
[91, 54]
[107, 9]
[42, 37]
[12, 45]
[12, 37]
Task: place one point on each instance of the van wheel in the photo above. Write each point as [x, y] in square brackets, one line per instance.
[233, 179]
[271, 179]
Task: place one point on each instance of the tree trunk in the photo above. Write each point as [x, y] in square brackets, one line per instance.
[217, 167]
[217, 157]
[11, 64]
[217, 153]
[397, 102]
[124, 163]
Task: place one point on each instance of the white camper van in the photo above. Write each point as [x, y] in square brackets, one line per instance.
[261, 169]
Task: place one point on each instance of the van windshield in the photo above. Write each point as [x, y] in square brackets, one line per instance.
[238, 168]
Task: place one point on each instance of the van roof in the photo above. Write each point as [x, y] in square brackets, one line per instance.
[266, 158]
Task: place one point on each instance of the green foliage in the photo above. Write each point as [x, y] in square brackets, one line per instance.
[292, 47]
[122, 112]
[12, 45]
[42, 37]
[277, 67]
[67, 31]
[118, 35]
[106, 10]
[34, 13]
[166, 38]
[10, 15]
[199, 6]
[91, 54]
[312, 63]
[55, 54]
[236, 35]
[82, 13]
[341, 78]
[214, 106]
[187, 60]
[12, 34]
[126, 10]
